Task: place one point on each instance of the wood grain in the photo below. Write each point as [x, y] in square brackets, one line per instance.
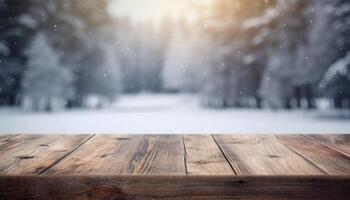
[203, 156]
[340, 143]
[263, 155]
[114, 167]
[329, 160]
[32, 154]
[175, 187]
[5, 139]
[125, 155]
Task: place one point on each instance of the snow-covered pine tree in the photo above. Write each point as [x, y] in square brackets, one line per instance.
[336, 53]
[101, 75]
[286, 26]
[83, 32]
[235, 75]
[46, 83]
[337, 80]
[16, 29]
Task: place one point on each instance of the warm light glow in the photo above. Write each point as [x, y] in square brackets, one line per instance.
[155, 10]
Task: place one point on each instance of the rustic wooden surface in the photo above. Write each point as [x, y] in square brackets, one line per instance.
[174, 166]
[263, 155]
[204, 157]
[176, 187]
[33, 154]
[125, 155]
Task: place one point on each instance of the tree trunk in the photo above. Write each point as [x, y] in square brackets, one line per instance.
[287, 104]
[225, 103]
[48, 107]
[12, 100]
[310, 99]
[75, 103]
[298, 97]
[258, 101]
[35, 105]
[337, 100]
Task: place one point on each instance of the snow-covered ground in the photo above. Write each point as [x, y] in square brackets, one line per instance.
[167, 114]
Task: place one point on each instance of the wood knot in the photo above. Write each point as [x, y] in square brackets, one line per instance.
[102, 155]
[123, 138]
[43, 145]
[272, 156]
[25, 157]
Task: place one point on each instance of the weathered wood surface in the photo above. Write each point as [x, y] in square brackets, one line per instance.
[175, 187]
[174, 167]
[338, 142]
[329, 160]
[204, 157]
[263, 155]
[33, 154]
[174, 154]
[123, 155]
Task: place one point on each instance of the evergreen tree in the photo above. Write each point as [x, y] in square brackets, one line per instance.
[288, 27]
[237, 55]
[45, 81]
[334, 83]
[16, 28]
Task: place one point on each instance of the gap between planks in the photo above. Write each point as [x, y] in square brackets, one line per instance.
[65, 156]
[219, 148]
[302, 156]
[246, 153]
[327, 145]
[222, 152]
[204, 157]
[185, 153]
[328, 160]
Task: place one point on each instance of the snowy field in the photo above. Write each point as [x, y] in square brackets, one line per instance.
[166, 114]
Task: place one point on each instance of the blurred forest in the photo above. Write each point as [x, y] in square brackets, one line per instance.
[280, 54]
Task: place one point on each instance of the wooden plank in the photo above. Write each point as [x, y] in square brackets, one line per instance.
[160, 155]
[175, 187]
[340, 143]
[329, 160]
[203, 156]
[125, 155]
[4, 139]
[32, 154]
[263, 155]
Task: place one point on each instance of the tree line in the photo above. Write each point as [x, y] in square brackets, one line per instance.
[272, 53]
[56, 51]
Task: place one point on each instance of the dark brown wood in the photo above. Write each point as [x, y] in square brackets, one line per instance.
[175, 187]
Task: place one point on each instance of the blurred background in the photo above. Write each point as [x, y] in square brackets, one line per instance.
[185, 66]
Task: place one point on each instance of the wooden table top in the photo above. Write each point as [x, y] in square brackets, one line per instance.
[175, 155]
